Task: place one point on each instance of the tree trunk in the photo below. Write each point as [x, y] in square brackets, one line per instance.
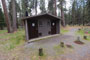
[14, 16]
[62, 15]
[83, 13]
[35, 2]
[55, 8]
[7, 19]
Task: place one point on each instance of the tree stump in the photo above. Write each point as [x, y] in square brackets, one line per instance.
[62, 44]
[40, 52]
[85, 37]
[78, 38]
[79, 29]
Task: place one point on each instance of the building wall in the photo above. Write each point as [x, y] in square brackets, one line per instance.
[58, 27]
[44, 27]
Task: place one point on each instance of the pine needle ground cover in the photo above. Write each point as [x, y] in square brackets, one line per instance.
[9, 41]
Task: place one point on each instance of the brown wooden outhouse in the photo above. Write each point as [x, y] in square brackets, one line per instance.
[41, 25]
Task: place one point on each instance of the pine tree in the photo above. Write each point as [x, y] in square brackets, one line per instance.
[88, 12]
[51, 7]
[2, 22]
[42, 6]
[55, 5]
[14, 15]
[7, 19]
[73, 12]
[24, 4]
[35, 3]
[60, 6]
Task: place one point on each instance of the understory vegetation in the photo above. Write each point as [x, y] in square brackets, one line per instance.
[10, 41]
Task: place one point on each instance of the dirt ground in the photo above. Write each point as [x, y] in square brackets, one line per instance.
[51, 48]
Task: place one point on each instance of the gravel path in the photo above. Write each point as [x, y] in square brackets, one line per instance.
[80, 52]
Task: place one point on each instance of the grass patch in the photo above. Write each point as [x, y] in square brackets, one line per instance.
[63, 31]
[12, 40]
[83, 33]
[62, 50]
[3, 31]
[59, 49]
[35, 55]
[88, 38]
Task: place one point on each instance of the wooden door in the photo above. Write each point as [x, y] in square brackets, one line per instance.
[33, 29]
[53, 27]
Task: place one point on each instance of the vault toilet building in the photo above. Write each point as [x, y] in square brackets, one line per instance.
[41, 25]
